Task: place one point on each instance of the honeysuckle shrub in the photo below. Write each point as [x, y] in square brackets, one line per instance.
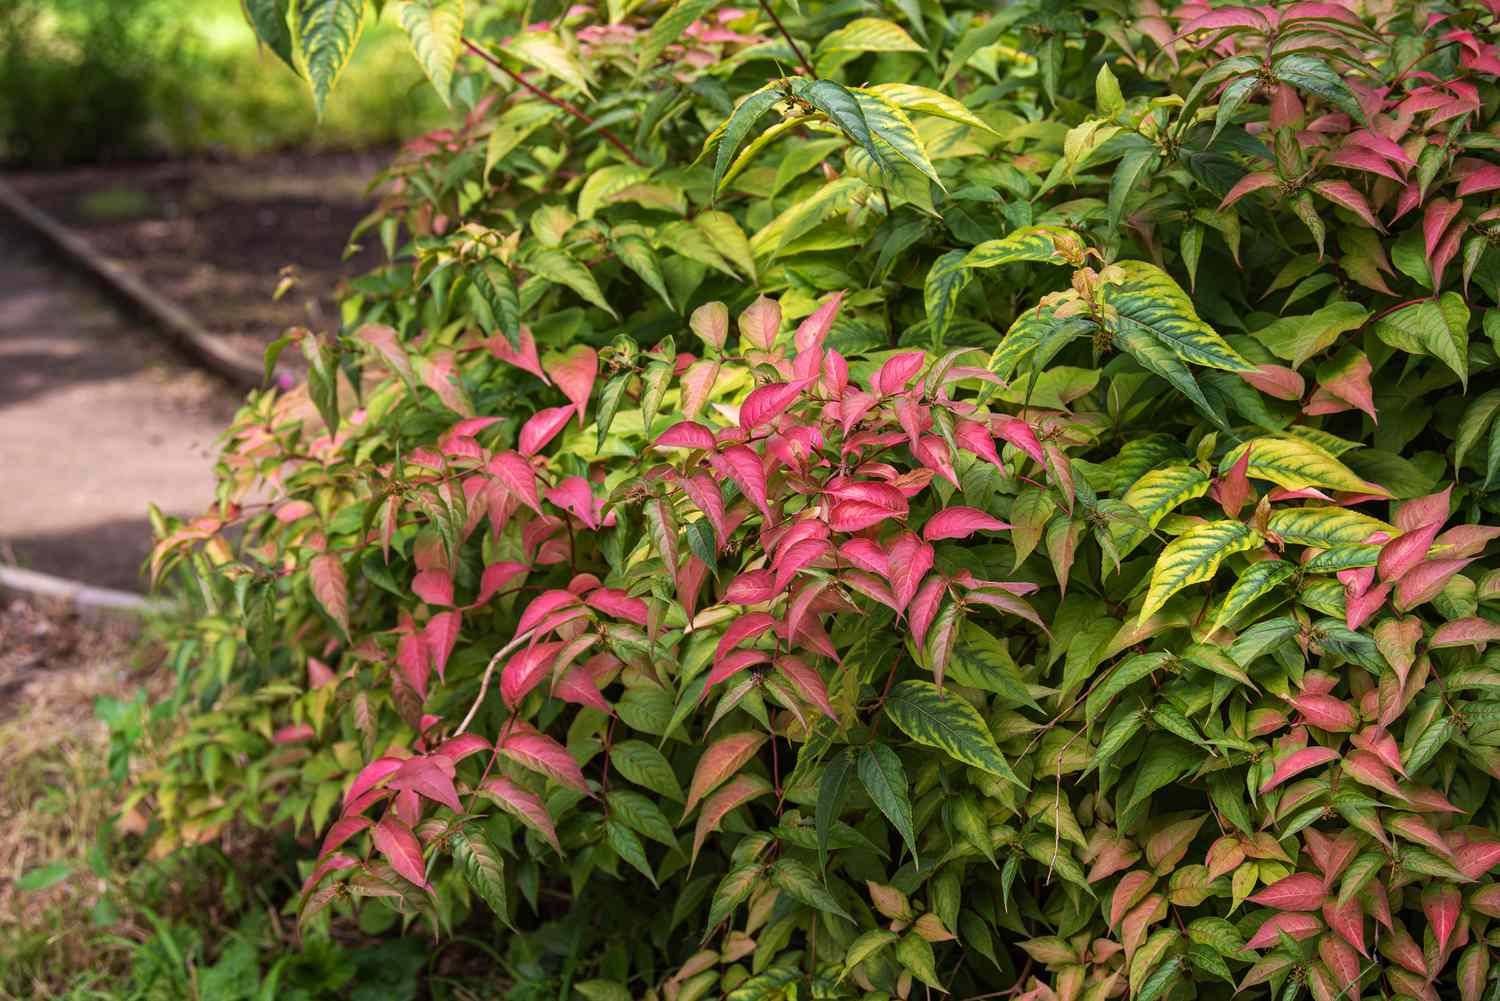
[840, 501]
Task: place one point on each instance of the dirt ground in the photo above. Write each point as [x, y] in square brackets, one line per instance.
[213, 236]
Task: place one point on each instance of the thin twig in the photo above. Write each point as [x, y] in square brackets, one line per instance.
[766, 6]
[484, 684]
[558, 102]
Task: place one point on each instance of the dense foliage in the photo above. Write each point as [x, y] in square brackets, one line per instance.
[826, 500]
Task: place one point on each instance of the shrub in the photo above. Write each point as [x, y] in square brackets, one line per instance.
[1140, 648]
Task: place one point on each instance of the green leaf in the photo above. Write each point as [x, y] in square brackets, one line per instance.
[1127, 175]
[1159, 359]
[1193, 558]
[832, 787]
[728, 240]
[1324, 527]
[915, 954]
[493, 283]
[889, 124]
[1032, 243]
[1437, 328]
[483, 868]
[636, 254]
[646, 766]
[884, 778]
[1149, 300]
[626, 845]
[642, 815]
[603, 990]
[937, 718]
[738, 126]
[270, 19]
[545, 51]
[910, 97]
[609, 405]
[1257, 580]
[1156, 494]
[800, 883]
[43, 876]
[556, 266]
[1316, 77]
[1478, 416]
[866, 946]
[324, 34]
[1165, 760]
[1296, 463]
[436, 30]
[1298, 338]
[733, 890]
[844, 110]
[869, 34]
[946, 280]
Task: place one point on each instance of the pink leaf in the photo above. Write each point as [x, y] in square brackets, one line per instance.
[525, 358]
[1477, 858]
[1298, 762]
[1345, 194]
[731, 664]
[434, 587]
[460, 747]
[697, 383]
[1229, 17]
[1351, 382]
[342, 830]
[544, 605]
[975, 437]
[329, 586]
[1364, 767]
[767, 403]
[686, 434]
[760, 323]
[1297, 925]
[1326, 712]
[1276, 380]
[1472, 631]
[619, 605]
[910, 559]
[574, 496]
[1439, 213]
[745, 468]
[400, 846]
[1424, 510]
[1426, 581]
[1232, 490]
[429, 780]
[814, 329]
[867, 555]
[519, 479]
[440, 635]
[1348, 921]
[542, 428]
[525, 670]
[960, 523]
[578, 687]
[924, 606]
[896, 373]
[1467, 540]
[387, 344]
[721, 760]
[1301, 891]
[1020, 434]
[540, 753]
[495, 577]
[1481, 179]
[1359, 608]
[751, 588]
[792, 560]
[574, 374]
[741, 629]
[740, 790]
[524, 805]
[1250, 182]
[808, 683]
[704, 491]
[1442, 904]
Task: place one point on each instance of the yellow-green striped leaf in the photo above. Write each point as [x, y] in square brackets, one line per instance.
[1155, 495]
[483, 868]
[1296, 463]
[938, 718]
[1146, 297]
[1193, 558]
[324, 34]
[945, 282]
[910, 97]
[830, 200]
[435, 29]
[734, 130]
[546, 52]
[1257, 580]
[1033, 339]
[1033, 243]
[1325, 527]
[890, 125]
[869, 34]
[1158, 357]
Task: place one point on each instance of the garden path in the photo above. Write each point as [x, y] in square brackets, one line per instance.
[97, 420]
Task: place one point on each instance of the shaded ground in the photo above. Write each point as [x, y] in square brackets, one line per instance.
[97, 420]
[213, 236]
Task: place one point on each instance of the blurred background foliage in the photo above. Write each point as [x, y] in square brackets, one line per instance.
[89, 81]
